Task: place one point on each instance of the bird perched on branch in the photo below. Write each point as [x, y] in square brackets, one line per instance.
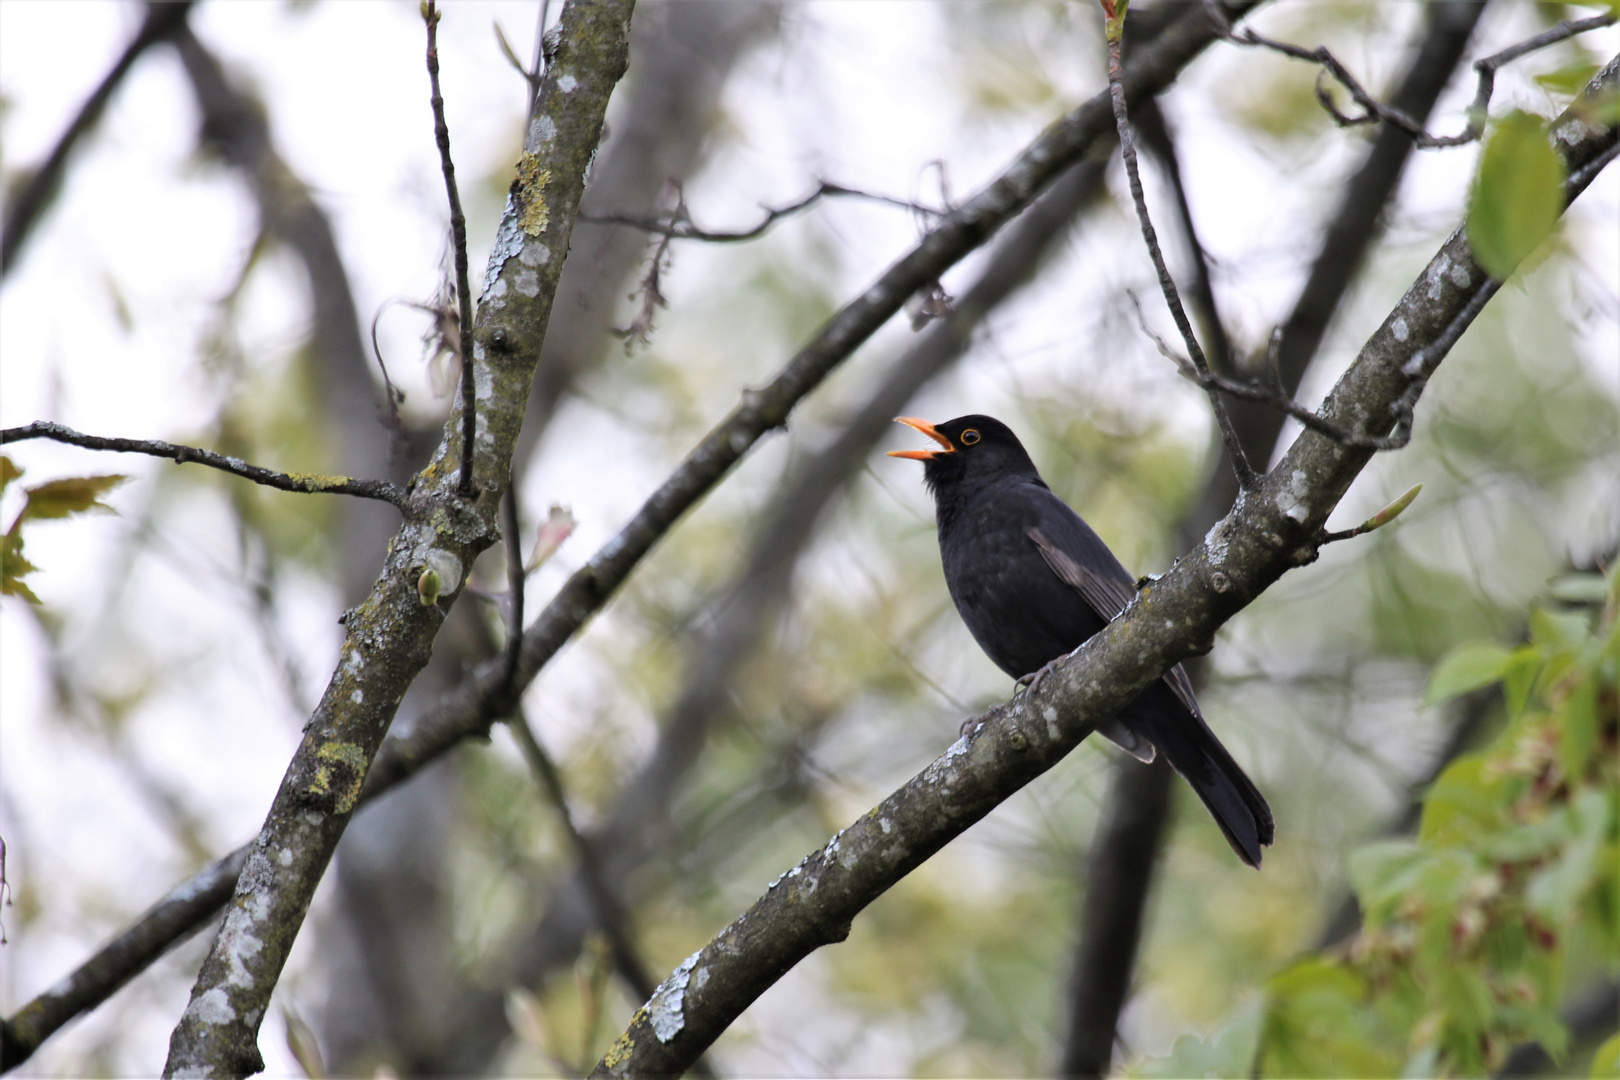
[1033, 582]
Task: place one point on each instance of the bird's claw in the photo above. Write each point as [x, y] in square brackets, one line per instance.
[1032, 681]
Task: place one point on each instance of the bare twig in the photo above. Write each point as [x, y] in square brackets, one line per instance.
[1116, 90]
[393, 396]
[24, 209]
[1374, 111]
[306, 483]
[458, 233]
[679, 227]
[650, 288]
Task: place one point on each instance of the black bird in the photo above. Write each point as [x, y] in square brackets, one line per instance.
[1033, 582]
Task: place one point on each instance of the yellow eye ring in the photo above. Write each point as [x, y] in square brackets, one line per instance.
[969, 437]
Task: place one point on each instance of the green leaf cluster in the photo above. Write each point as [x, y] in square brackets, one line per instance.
[1518, 194]
[45, 502]
[1470, 926]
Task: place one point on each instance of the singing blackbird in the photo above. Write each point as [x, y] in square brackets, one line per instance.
[1032, 582]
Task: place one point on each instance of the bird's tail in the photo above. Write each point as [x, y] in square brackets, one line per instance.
[1193, 750]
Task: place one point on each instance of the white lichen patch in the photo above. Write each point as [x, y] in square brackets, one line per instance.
[527, 282]
[666, 1011]
[508, 242]
[358, 697]
[1215, 543]
[542, 131]
[1399, 329]
[567, 83]
[1289, 499]
[886, 825]
[353, 662]
[534, 254]
[483, 382]
[1460, 276]
[285, 856]
[212, 1007]
[1437, 276]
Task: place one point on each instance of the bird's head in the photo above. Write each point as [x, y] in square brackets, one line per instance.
[972, 450]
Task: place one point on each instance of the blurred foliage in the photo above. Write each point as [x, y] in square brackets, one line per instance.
[1472, 928]
[1518, 194]
[44, 502]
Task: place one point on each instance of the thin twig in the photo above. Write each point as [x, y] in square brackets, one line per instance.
[678, 227]
[393, 396]
[1116, 89]
[458, 233]
[611, 916]
[514, 581]
[1374, 111]
[305, 483]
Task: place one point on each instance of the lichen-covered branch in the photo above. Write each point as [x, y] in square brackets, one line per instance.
[304, 483]
[389, 635]
[1275, 527]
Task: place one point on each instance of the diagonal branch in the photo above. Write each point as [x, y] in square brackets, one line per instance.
[28, 205]
[1265, 536]
[305, 483]
[486, 695]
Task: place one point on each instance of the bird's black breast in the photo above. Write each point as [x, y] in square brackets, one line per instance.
[1018, 610]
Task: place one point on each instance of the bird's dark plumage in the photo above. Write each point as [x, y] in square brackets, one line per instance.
[1032, 582]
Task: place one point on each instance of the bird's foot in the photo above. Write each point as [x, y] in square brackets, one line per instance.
[1032, 681]
[969, 726]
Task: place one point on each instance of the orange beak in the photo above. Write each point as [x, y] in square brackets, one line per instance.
[927, 429]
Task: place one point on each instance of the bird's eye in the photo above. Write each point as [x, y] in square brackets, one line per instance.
[969, 437]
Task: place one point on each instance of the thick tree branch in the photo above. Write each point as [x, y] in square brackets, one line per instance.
[305, 483]
[1268, 533]
[389, 636]
[486, 695]
[24, 209]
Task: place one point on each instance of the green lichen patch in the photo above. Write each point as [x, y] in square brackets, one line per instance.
[532, 179]
[339, 776]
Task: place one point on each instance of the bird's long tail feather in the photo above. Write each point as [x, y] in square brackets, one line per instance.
[1192, 749]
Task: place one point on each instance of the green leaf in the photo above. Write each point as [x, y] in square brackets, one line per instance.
[1578, 734]
[1558, 887]
[1568, 80]
[1518, 194]
[73, 495]
[1227, 1051]
[1519, 678]
[9, 471]
[1467, 667]
[1384, 870]
[1579, 589]
[1559, 631]
[13, 566]
[1461, 802]
[1606, 1062]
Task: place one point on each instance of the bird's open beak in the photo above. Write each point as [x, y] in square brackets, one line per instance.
[927, 429]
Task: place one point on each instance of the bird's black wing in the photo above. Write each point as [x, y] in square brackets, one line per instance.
[1108, 596]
